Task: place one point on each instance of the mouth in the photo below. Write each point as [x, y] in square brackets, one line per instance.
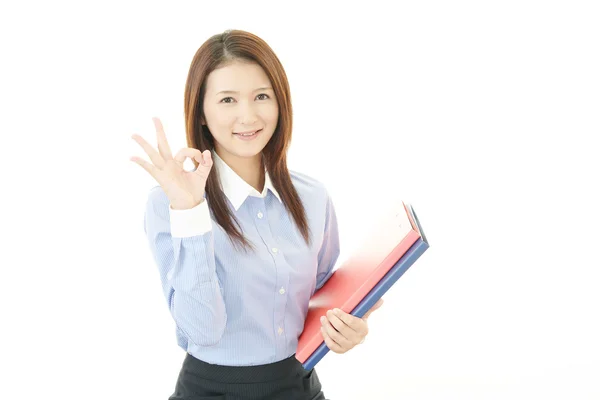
[248, 134]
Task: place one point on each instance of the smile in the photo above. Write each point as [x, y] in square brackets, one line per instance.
[248, 135]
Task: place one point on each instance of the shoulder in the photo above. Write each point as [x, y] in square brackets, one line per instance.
[307, 185]
[316, 201]
[313, 193]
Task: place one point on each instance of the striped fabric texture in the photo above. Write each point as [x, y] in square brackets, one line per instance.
[232, 307]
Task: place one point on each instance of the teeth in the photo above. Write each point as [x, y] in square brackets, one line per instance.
[247, 134]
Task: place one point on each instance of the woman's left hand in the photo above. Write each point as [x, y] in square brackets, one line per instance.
[343, 331]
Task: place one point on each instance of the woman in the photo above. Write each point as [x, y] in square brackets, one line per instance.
[241, 242]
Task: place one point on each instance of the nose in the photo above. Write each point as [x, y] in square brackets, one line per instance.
[247, 114]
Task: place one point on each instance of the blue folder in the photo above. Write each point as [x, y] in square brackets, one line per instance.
[405, 262]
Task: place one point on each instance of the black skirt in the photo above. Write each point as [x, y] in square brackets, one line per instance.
[283, 380]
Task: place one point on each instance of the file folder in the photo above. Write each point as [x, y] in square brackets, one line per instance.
[396, 242]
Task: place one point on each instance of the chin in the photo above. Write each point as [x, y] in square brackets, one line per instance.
[248, 149]
[252, 153]
[245, 152]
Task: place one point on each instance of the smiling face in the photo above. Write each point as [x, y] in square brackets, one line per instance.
[239, 100]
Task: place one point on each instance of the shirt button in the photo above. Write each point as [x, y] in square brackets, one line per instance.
[280, 330]
[274, 249]
[282, 290]
[259, 215]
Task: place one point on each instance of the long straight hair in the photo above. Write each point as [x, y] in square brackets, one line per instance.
[218, 51]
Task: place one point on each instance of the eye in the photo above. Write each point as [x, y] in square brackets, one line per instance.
[232, 99]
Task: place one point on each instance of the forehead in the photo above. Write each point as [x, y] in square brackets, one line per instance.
[238, 76]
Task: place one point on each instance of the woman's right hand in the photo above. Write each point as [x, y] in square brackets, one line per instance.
[185, 189]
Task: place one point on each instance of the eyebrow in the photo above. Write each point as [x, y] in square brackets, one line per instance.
[234, 92]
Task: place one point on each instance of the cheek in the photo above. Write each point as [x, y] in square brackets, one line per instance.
[219, 123]
[273, 115]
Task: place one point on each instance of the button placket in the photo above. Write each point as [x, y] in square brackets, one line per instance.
[259, 215]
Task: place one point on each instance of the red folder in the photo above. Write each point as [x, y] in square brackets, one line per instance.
[389, 239]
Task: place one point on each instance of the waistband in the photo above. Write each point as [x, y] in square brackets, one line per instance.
[287, 368]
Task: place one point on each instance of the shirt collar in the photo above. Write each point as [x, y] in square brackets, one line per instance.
[235, 188]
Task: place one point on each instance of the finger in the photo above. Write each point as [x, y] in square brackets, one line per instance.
[366, 316]
[152, 170]
[185, 153]
[153, 154]
[342, 328]
[204, 161]
[163, 145]
[333, 346]
[375, 307]
[336, 336]
[350, 320]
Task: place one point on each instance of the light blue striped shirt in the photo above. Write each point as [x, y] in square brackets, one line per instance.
[235, 308]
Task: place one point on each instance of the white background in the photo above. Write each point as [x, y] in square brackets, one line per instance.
[484, 115]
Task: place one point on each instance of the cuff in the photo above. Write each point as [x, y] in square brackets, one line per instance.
[192, 222]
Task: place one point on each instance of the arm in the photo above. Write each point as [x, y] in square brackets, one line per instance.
[330, 248]
[181, 242]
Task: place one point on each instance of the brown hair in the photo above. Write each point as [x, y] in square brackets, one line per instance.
[218, 51]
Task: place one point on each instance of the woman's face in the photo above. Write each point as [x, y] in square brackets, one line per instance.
[239, 98]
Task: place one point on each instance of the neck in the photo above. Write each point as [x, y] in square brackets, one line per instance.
[250, 169]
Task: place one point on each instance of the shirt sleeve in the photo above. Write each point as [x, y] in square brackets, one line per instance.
[182, 245]
[330, 248]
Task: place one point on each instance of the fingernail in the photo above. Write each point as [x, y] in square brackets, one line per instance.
[323, 319]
